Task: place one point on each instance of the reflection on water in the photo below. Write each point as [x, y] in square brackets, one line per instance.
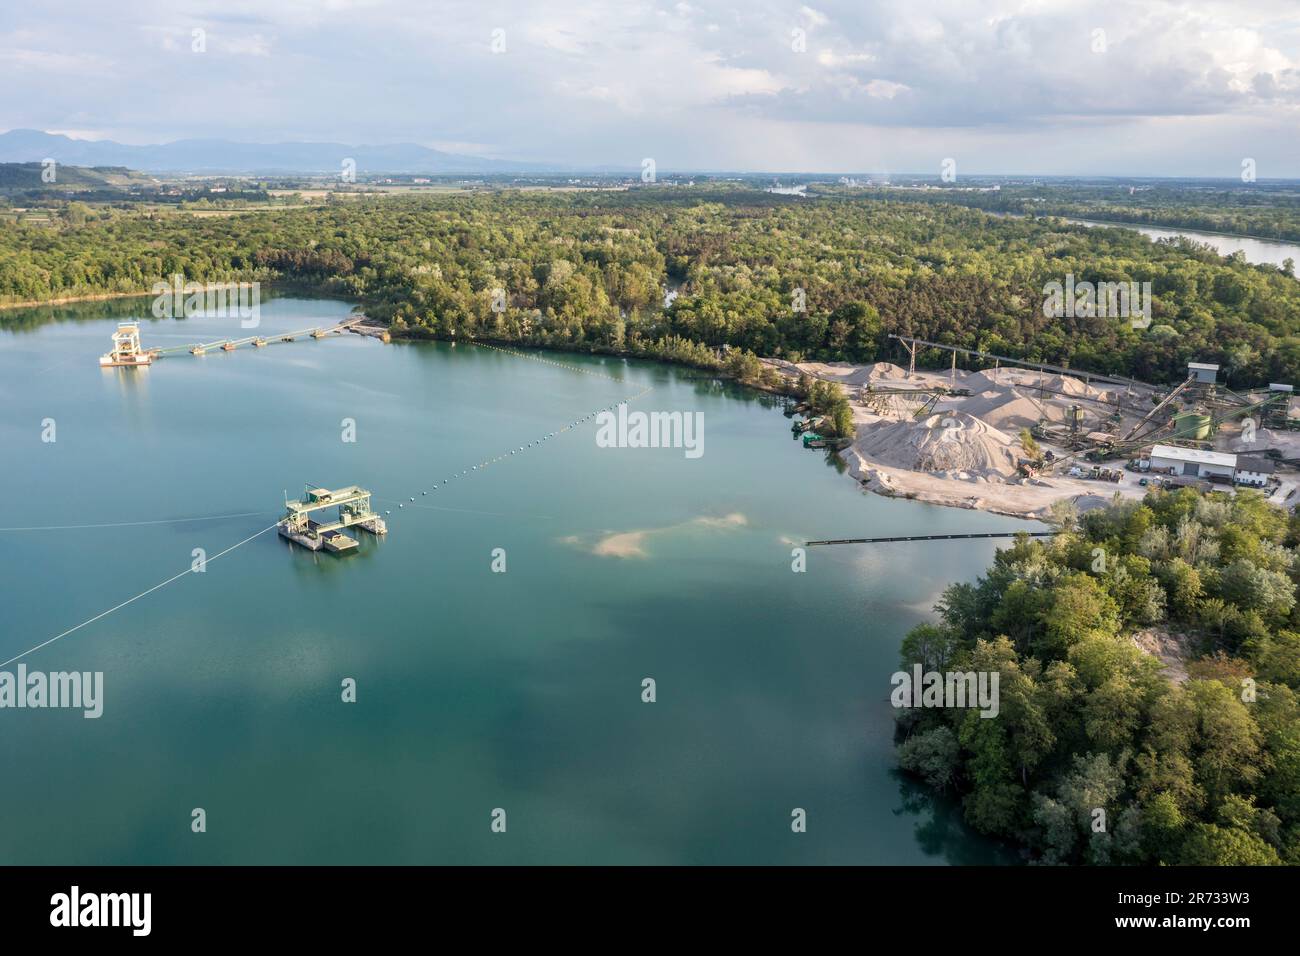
[33, 317]
[475, 689]
[939, 828]
[835, 461]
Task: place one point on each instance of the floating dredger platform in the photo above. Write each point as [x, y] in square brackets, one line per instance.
[353, 504]
[127, 350]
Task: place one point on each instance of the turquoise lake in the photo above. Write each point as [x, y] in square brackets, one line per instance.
[475, 690]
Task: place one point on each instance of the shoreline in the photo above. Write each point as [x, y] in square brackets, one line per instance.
[73, 299]
[279, 287]
[974, 489]
[1030, 502]
[917, 486]
[1180, 230]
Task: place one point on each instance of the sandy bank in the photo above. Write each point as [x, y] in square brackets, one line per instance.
[963, 451]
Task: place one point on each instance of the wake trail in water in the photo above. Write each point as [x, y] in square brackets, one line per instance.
[132, 600]
[465, 473]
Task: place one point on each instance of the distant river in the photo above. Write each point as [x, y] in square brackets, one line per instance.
[1262, 251]
[475, 690]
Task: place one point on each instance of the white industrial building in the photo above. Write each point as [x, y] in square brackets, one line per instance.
[1252, 471]
[1193, 462]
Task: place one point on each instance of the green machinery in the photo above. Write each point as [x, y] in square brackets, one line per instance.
[1188, 427]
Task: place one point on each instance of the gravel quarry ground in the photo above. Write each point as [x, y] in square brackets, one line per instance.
[964, 451]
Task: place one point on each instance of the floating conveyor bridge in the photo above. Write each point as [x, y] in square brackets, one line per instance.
[934, 537]
[911, 345]
[229, 345]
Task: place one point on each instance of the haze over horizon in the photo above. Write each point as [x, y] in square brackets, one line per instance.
[1071, 88]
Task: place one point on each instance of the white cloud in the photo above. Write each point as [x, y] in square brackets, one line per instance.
[252, 45]
[813, 18]
[50, 63]
[835, 60]
[884, 89]
[714, 82]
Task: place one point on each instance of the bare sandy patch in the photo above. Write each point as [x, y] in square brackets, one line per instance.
[626, 544]
[1170, 648]
[632, 544]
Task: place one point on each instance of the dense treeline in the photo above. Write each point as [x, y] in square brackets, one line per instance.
[1203, 771]
[821, 279]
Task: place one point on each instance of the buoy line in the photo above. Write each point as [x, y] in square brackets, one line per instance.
[463, 511]
[465, 473]
[545, 361]
[505, 456]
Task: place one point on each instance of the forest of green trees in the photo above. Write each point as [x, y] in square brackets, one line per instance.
[1201, 768]
[1194, 771]
[824, 278]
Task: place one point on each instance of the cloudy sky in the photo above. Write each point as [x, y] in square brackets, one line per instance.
[1000, 86]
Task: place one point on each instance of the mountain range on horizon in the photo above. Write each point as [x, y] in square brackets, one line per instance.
[226, 156]
[209, 157]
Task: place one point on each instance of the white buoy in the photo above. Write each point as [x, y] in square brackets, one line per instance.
[424, 492]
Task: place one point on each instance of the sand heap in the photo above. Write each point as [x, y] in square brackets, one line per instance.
[1010, 409]
[841, 373]
[1029, 381]
[849, 375]
[952, 444]
[1010, 399]
[886, 372]
[894, 407]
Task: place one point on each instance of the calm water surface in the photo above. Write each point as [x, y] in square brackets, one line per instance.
[476, 690]
[1259, 251]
